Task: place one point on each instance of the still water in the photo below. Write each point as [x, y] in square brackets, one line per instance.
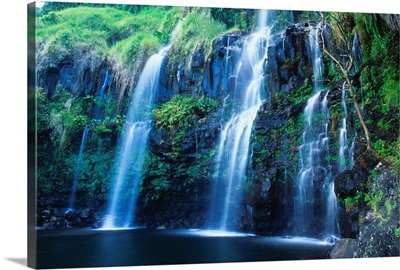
[74, 248]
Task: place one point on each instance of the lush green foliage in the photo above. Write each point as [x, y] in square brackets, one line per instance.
[65, 116]
[54, 6]
[147, 33]
[242, 19]
[60, 125]
[381, 80]
[199, 27]
[180, 113]
[97, 33]
[300, 94]
[135, 47]
[82, 32]
[378, 88]
[177, 113]
[283, 19]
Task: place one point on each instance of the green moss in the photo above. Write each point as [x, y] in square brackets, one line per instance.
[388, 150]
[242, 19]
[180, 113]
[135, 47]
[299, 94]
[290, 62]
[198, 27]
[351, 203]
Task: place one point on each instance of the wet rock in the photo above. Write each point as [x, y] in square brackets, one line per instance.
[218, 71]
[350, 181]
[164, 92]
[100, 222]
[377, 237]
[46, 213]
[344, 248]
[97, 224]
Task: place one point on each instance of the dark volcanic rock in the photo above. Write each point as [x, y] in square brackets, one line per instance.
[164, 92]
[344, 248]
[377, 237]
[47, 219]
[274, 163]
[350, 181]
[217, 80]
[184, 203]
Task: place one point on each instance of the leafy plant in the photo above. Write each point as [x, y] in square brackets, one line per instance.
[374, 200]
[390, 206]
[297, 95]
[397, 232]
[180, 113]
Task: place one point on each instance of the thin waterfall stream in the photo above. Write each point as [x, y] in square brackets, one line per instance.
[315, 187]
[107, 80]
[77, 173]
[346, 160]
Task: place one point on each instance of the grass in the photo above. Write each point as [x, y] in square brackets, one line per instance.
[198, 27]
[93, 34]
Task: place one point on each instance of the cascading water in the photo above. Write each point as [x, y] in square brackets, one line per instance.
[358, 58]
[315, 192]
[357, 53]
[72, 196]
[129, 166]
[311, 153]
[227, 78]
[316, 56]
[98, 113]
[234, 139]
[346, 160]
[227, 70]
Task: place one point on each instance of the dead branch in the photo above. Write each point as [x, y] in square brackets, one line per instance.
[345, 71]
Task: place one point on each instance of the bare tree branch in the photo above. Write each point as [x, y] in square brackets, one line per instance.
[345, 71]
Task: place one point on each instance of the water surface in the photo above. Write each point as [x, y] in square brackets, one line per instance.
[104, 248]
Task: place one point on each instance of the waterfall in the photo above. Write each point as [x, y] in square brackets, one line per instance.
[227, 71]
[346, 152]
[98, 114]
[316, 56]
[332, 228]
[358, 58]
[357, 53]
[315, 191]
[262, 19]
[234, 139]
[72, 196]
[129, 165]
[346, 160]
[311, 154]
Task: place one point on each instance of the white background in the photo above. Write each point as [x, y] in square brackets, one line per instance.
[13, 92]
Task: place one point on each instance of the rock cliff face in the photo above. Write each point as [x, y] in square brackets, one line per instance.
[377, 225]
[273, 171]
[176, 188]
[269, 200]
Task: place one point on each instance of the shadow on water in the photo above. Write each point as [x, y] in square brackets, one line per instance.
[101, 248]
[20, 261]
